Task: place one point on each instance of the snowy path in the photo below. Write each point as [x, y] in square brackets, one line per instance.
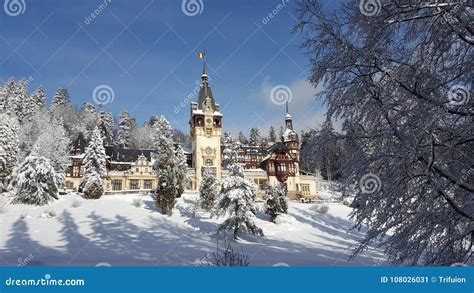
[113, 231]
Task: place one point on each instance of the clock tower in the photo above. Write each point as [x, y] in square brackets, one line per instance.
[206, 131]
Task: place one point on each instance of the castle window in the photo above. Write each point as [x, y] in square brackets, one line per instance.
[208, 133]
[134, 184]
[305, 189]
[148, 184]
[116, 184]
[209, 163]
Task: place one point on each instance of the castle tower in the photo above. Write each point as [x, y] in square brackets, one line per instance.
[206, 131]
[290, 137]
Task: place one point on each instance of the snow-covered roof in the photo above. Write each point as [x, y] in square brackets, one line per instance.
[288, 116]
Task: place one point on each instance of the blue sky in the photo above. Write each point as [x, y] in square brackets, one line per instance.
[145, 50]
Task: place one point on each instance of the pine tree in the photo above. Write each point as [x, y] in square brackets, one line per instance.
[255, 137]
[35, 181]
[243, 140]
[166, 167]
[207, 190]
[272, 135]
[38, 98]
[181, 170]
[280, 134]
[230, 154]
[92, 185]
[53, 144]
[276, 201]
[88, 107]
[23, 110]
[9, 141]
[60, 99]
[236, 198]
[106, 125]
[127, 126]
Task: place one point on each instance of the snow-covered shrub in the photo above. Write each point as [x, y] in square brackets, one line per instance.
[137, 202]
[165, 194]
[236, 198]
[207, 190]
[48, 214]
[285, 219]
[228, 257]
[92, 185]
[320, 208]
[76, 203]
[23, 216]
[35, 181]
[276, 201]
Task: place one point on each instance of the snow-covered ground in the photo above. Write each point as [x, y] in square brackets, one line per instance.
[112, 231]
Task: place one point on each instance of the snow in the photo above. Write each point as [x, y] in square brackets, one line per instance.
[112, 230]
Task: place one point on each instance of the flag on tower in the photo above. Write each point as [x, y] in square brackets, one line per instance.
[200, 55]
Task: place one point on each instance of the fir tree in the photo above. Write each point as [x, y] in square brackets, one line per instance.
[207, 190]
[127, 126]
[35, 181]
[272, 135]
[255, 137]
[9, 141]
[60, 99]
[38, 98]
[181, 171]
[92, 185]
[166, 167]
[230, 154]
[236, 198]
[243, 140]
[106, 125]
[88, 107]
[276, 201]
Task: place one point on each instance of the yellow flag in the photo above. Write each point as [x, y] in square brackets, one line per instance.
[200, 55]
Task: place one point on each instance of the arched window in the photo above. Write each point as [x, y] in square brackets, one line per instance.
[209, 163]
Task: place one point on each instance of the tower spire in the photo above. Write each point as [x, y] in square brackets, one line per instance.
[287, 107]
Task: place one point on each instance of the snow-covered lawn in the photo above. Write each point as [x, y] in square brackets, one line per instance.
[113, 231]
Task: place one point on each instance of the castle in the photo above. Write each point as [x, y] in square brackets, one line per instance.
[131, 170]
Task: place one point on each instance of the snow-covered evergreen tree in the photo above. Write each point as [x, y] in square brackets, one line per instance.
[106, 124]
[88, 107]
[166, 167]
[230, 154]
[60, 99]
[276, 201]
[127, 126]
[236, 198]
[243, 139]
[38, 99]
[272, 135]
[35, 181]
[181, 170]
[92, 185]
[255, 138]
[9, 141]
[207, 190]
[53, 144]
